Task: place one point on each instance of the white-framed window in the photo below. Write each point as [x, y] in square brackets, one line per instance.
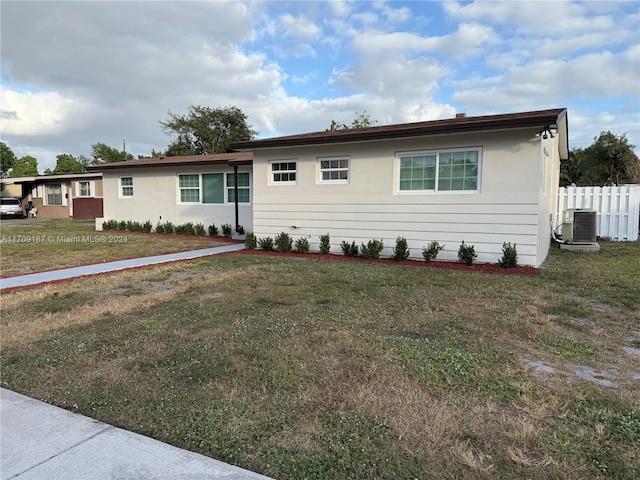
[440, 171]
[84, 188]
[334, 169]
[189, 185]
[244, 189]
[126, 187]
[54, 194]
[213, 188]
[284, 172]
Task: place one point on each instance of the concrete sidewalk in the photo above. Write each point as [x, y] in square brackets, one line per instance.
[40, 441]
[32, 279]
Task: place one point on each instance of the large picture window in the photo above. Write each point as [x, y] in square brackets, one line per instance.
[443, 171]
[215, 188]
[284, 172]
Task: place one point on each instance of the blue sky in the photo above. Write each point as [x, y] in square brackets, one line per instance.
[77, 73]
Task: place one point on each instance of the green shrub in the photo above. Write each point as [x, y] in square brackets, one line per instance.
[266, 243]
[302, 245]
[349, 249]
[122, 225]
[401, 251]
[213, 230]
[284, 242]
[509, 256]
[240, 230]
[250, 241]
[185, 229]
[160, 227]
[147, 227]
[109, 225]
[325, 245]
[372, 249]
[198, 228]
[226, 230]
[431, 251]
[466, 254]
[169, 227]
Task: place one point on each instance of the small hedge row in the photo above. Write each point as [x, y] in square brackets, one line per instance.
[372, 249]
[187, 228]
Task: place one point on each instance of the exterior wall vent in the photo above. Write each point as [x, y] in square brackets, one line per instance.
[579, 226]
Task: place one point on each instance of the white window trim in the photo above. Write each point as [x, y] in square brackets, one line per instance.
[437, 154]
[337, 181]
[120, 186]
[284, 160]
[225, 187]
[79, 188]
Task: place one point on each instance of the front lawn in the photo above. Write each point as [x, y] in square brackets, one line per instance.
[307, 368]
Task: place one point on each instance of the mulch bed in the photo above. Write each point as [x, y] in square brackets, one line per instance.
[476, 267]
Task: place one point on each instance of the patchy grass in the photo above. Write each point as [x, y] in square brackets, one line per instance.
[304, 368]
[39, 245]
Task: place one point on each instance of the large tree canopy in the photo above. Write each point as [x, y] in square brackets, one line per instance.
[66, 163]
[206, 130]
[609, 160]
[24, 167]
[7, 159]
[102, 153]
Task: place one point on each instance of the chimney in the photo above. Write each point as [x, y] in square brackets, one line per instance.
[461, 115]
[333, 127]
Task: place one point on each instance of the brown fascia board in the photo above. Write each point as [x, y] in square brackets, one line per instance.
[541, 119]
[235, 158]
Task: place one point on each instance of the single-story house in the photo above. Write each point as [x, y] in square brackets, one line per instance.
[71, 195]
[483, 180]
[197, 189]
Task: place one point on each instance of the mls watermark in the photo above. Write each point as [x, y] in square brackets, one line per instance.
[64, 239]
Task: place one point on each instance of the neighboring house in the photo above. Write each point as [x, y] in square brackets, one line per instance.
[483, 180]
[73, 195]
[196, 189]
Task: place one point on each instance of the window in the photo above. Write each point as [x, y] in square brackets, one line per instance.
[283, 172]
[54, 194]
[84, 189]
[212, 188]
[126, 186]
[189, 188]
[445, 171]
[244, 190]
[334, 170]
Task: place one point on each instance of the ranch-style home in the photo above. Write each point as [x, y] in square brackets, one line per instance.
[69, 195]
[483, 180]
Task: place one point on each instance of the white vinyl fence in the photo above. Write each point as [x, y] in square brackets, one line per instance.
[618, 208]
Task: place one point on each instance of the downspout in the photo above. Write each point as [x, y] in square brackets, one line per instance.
[235, 189]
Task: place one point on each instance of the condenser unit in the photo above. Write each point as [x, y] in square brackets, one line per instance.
[579, 226]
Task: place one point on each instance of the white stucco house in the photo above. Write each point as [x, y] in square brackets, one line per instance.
[485, 180]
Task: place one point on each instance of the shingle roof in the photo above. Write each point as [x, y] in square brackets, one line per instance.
[237, 158]
[535, 119]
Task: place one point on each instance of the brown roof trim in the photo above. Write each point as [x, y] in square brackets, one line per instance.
[235, 158]
[535, 119]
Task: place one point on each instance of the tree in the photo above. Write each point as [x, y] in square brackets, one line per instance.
[26, 166]
[206, 130]
[610, 160]
[103, 153]
[7, 159]
[361, 120]
[573, 171]
[66, 163]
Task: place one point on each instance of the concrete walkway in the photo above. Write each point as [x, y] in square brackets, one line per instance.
[74, 272]
[40, 441]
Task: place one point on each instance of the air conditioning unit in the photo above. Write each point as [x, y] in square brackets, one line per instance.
[579, 226]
